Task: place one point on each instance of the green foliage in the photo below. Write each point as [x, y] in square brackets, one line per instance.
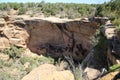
[114, 67]
[8, 63]
[116, 22]
[118, 28]
[78, 73]
[1, 63]
[25, 59]
[112, 18]
[7, 6]
[110, 9]
[32, 62]
[5, 68]
[14, 51]
[36, 60]
[68, 10]
[30, 4]
[49, 9]
[99, 11]
[100, 47]
[31, 15]
[15, 6]
[6, 76]
[16, 68]
[3, 6]
[21, 11]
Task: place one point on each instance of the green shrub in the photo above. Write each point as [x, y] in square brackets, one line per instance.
[15, 6]
[99, 48]
[8, 63]
[45, 60]
[116, 22]
[3, 6]
[78, 73]
[114, 67]
[112, 18]
[1, 63]
[31, 15]
[25, 59]
[14, 51]
[36, 60]
[5, 76]
[118, 28]
[21, 11]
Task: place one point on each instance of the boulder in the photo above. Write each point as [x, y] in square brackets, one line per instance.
[91, 73]
[110, 76]
[48, 72]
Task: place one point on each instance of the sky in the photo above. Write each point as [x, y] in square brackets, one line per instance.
[64, 1]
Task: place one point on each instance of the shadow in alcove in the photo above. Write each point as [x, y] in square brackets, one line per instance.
[58, 37]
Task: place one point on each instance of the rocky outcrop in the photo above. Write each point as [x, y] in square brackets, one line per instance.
[48, 72]
[10, 33]
[113, 45]
[54, 38]
[99, 20]
[90, 65]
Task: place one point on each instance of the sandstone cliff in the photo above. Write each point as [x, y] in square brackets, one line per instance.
[49, 37]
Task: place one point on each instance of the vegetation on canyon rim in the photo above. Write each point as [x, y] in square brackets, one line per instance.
[67, 10]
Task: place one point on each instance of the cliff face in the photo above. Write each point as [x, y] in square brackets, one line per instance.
[113, 43]
[48, 37]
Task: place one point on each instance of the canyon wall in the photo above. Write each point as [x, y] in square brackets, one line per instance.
[48, 37]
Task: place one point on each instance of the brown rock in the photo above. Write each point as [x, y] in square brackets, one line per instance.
[5, 16]
[2, 24]
[91, 73]
[4, 43]
[110, 76]
[16, 35]
[48, 72]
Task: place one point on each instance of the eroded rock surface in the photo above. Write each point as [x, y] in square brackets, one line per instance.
[113, 43]
[53, 38]
[60, 38]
